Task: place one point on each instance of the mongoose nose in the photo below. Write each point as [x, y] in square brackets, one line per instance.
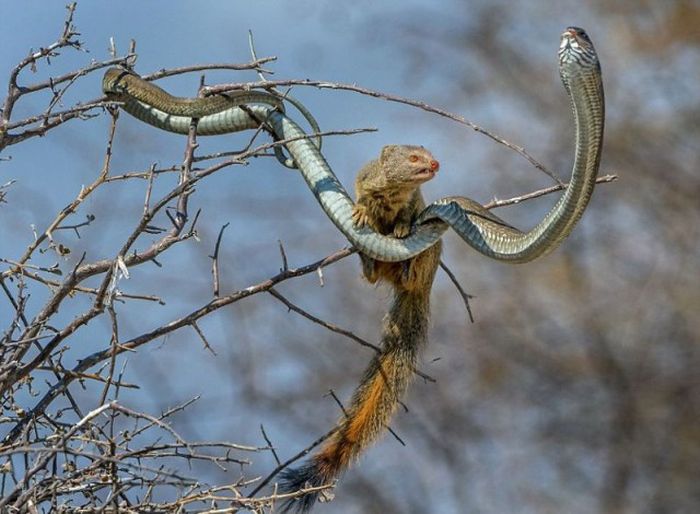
[434, 165]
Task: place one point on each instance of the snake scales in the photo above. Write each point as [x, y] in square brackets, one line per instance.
[580, 73]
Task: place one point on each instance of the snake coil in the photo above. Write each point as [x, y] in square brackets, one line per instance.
[580, 73]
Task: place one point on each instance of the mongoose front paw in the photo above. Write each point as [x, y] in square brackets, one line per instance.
[402, 230]
[360, 218]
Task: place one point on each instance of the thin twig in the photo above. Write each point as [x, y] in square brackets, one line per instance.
[465, 296]
[285, 264]
[270, 445]
[253, 65]
[290, 461]
[196, 328]
[495, 203]
[332, 394]
[319, 321]
[215, 260]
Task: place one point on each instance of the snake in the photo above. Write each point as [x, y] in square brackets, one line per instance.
[580, 73]
[123, 85]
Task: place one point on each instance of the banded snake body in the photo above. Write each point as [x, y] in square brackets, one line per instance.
[580, 73]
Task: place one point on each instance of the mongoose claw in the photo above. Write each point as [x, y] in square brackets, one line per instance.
[360, 218]
[402, 230]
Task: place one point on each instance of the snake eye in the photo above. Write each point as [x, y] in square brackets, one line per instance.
[578, 32]
[413, 158]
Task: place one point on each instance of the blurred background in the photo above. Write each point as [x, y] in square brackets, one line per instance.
[575, 390]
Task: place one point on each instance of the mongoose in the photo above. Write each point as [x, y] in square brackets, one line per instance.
[388, 200]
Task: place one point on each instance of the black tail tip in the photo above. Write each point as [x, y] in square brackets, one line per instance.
[304, 477]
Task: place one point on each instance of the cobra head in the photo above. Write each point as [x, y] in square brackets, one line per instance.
[113, 81]
[576, 48]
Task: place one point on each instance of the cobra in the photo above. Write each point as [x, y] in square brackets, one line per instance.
[488, 234]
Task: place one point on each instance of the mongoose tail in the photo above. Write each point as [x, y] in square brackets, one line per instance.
[372, 406]
[389, 200]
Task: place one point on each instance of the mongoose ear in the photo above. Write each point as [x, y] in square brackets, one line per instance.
[387, 152]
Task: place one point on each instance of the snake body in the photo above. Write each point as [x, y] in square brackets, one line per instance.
[147, 99]
[128, 87]
[580, 73]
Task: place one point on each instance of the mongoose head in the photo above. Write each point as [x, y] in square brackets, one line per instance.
[408, 164]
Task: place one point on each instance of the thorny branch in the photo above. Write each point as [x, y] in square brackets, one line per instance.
[94, 451]
[40, 124]
[321, 84]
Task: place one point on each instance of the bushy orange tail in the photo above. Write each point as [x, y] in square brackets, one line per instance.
[374, 402]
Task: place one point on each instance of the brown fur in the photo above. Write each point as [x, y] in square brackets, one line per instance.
[388, 200]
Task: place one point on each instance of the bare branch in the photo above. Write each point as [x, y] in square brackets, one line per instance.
[266, 84]
[215, 260]
[462, 292]
[495, 203]
[318, 321]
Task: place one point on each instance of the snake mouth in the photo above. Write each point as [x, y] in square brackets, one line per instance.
[574, 38]
[568, 41]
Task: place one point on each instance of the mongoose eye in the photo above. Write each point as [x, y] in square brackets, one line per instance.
[413, 158]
